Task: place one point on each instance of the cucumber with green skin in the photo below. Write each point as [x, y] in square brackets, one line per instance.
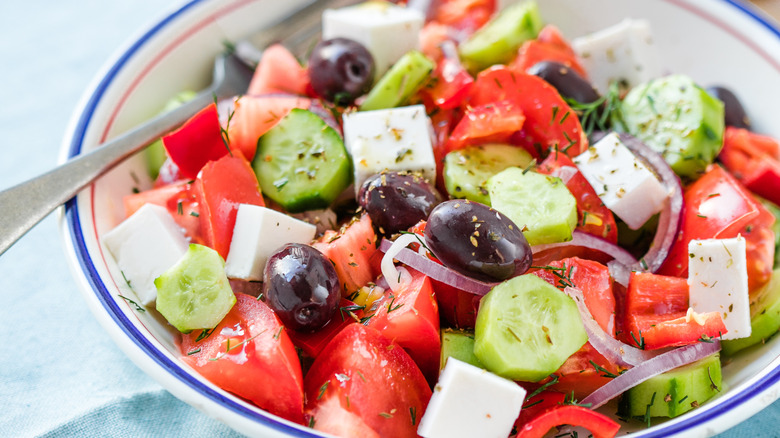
[526, 329]
[674, 392]
[155, 153]
[195, 292]
[467, 170]
[497, 42]
[678, 119]
[540, 204]
[301, 163]
[403, 79]
[764, 316]
[460, 345]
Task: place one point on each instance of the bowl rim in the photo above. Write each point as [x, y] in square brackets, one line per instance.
[84, 267]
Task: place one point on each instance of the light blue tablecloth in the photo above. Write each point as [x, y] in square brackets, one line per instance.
[60, 374]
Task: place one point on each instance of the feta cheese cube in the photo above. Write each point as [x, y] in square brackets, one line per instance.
[625, 185]
[258, 232]
[624, 52]
[144, 246]
[386, 30]
[471, 402]
[393, 139]
[717, 282]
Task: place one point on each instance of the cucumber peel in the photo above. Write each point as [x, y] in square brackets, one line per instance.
[195, 293]
[526, 329]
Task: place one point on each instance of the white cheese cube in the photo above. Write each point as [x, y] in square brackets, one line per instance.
[624, 52]
[258, 232]
[393, 139]
[471, 402]
[144, 246]
[625, 185]
[717, 282]
[386, 30]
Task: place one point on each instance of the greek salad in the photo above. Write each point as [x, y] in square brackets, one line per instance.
[461, 223]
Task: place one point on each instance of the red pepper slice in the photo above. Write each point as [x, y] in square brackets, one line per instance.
[598, 424]
[197, 142]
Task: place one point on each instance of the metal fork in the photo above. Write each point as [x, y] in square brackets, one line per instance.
[26, 204]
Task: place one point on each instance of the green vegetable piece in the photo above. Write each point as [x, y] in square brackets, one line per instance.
[155, 153]
[195, 292]
[540, 204]
[403, 79]
[467, 170]
[764, 317]
[497, 42]
[460, 345]
[301, 163]
[526, 328]
[674, 392]
[678, 119]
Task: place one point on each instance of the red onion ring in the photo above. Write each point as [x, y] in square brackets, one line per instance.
[609, 347]
[579, 238]
[657, 365]
[669, 219]
[438, 271]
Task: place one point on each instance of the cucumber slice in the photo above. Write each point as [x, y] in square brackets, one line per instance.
[403, 79]
[674, 392]
[497, 42]
[467, 170]
[540, 204]
[301, 163]
[526, 328]
[195, 292]
[678, 119]
[764, 316]
[460, 345]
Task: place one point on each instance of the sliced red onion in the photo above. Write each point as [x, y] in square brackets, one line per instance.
[565, 173]
[430, 268]
[609, 347]
[586, 240]
[619, 272]
[653, 367]
[669, 219]
[393, 276]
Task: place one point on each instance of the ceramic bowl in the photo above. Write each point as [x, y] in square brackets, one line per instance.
[714, 41]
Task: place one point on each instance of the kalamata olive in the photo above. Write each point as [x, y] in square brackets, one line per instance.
[301, 285]
[477, 241]
[569, 83]
[341, 70]
[397, 200]
[735, 114]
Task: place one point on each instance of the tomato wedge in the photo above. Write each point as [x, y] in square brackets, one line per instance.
[548, 46]
[598, 424]
[180, 201]
[250, 354]
[753, 159]
[488, 123]
[550, 123]
[367, 382]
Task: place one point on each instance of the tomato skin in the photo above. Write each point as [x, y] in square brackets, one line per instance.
[467, 15]
[371, 378]
[313, 343]
[593, 217]
[717, 206]
[491, 122]
[410, 317]
[452, 84]
[655, 313]
[197, 142]
[548, 46]
[753, 159]
[261, 365]
[598, 424]
[549, 121]
[590, 277]
[579, 375]
[537, 405]
[220, 188]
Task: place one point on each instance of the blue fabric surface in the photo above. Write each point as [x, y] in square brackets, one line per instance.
[60, 374]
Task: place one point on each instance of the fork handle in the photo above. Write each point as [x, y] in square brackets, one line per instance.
[24, 205]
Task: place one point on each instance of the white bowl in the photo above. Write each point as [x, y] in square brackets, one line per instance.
[714, 41]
